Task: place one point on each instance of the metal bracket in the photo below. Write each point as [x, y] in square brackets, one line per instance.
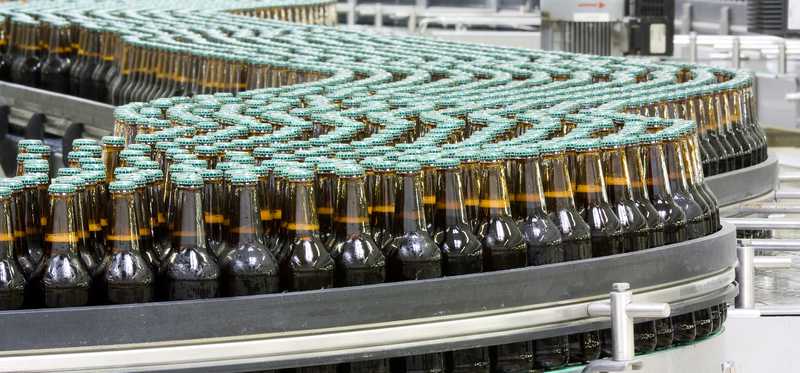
[623, 312]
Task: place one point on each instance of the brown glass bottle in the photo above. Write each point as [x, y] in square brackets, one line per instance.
[359, 260]
[381, 219]
[55, 67]
[12, 279]
[713, 122]
[693, 167]
[90, 255]
[471, 177]
[213, 211]
[575, 234]
[412, 254]
[429, 188]
[641, 200]
[326, 198]
[105, 59]
[503, 248]
[698, 216]
[34, 204]
[90, 53]
[542, 238]
[248, 266]
[620, 195]
[17, 201]
[148, 247]
[26, 67]
[124, 275]
[656, 180]
[304, 260]
[62, 278]
[461, 252]
[188, 271]
[592, 203]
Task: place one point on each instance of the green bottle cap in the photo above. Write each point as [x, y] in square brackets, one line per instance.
[144, 148]
[5, 192]
[263, 152]
[61, 189]
[299, 174]
[77, 143]
[29, 180]
[349, 171]
[146, 138]
[24, 143]
[15, 184]
[96, 150]
[245, 177]
[124, 171]
[121, 186]
[550, 147]
[22, 157]
[408, 167]
[36, 165]
[154, 175]
[76, 181]
[189, 180]
[97, 167]
[243, 159]
[146, 164]
[113, 141]
[38, 149]
[137, 178]
[41, 178]
[443, 163]
[490, 156]
[130, 153]
[77, 155]
[68, 171]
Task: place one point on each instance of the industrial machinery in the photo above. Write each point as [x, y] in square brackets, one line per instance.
[608, 27]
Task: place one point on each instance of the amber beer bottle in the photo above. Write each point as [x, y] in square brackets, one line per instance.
[698, 215]
[381, 220]
[592, 203]
[188, 271]
[26, 67]
[658, 188]
[125, 276]
[35, 204]
[12, 279]
[620, 195]
[247, 266]
[55, 67]
[304, 260]
[575, 234]
[461, 252]
[693, 167]
[112, 146]
[655, 223]
[326, 198]
[213, 211]
[89, 255]
[144, 218]
[412, 254]
[359, 260]
[503, 248]
[542, 238]
[17, 201]
[62, 277]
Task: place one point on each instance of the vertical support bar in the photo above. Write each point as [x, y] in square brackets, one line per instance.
[725, 20]
[622, 322]
[782, 57]
[736, 49]
[744, 276]
[686, 18]
[422, 4]
[378, 16]
[351, 12]
[493, 5]
[412, 20]
[692, 47]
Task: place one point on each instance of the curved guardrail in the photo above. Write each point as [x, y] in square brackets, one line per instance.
[746, 183]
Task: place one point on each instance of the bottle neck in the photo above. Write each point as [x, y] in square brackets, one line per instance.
[6, 229]
[450, 200]
[383, 197]
[529, 197]
[557, 184]
[494, 201]
[636, 172]
[61, 233]
[123, 234]
[300, 214]
[326, 198]
[409, 215]
[673, 156]
[213, 204]
[34, 212]
[655, 171]
[617, 175]
[351, 208]
[590, 189]
[188, 229]
[691, 156]
[245, 219]
[471, 177]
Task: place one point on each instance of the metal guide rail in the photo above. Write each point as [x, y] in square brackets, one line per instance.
[367, 322]
[746, 183]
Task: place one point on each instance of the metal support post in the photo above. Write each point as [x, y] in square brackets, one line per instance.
[725, 20]
[789, 177]
[412, 20]
[736, 50]
[780, 194]
[686, 18]
[692, 47]
[772, 244]
[744, 276]
[769, 208]
[378, 16]
[623, 312]
[351, 12]
[772, 262]
[782, 57]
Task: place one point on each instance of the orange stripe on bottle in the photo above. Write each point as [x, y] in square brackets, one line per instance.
[70, 237]
[213, 218]
[494, 203]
